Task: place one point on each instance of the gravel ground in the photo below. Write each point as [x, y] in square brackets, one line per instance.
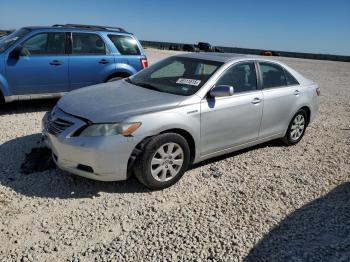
[267, 203]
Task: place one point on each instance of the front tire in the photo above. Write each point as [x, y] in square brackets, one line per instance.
[163, 161]
[296, 128]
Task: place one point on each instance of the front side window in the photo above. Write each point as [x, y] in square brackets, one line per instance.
[272, 75]
[126, 45]
[176, 75]
[45, 44]
[88, 44]
[242, 77]
[8, 40]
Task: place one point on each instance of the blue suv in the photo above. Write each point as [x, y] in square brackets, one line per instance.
[45, 62]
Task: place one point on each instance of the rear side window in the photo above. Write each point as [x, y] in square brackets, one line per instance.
[272, 75]
[88, 44]
[45, 44]
[242, 77]
[291, 81]
[126, 45]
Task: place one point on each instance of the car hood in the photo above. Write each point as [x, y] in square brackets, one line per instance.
[115, 101]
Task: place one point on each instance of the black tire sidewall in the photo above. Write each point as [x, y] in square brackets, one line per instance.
[143, 170]
[288, 134]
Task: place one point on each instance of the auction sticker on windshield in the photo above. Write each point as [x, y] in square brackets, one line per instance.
[186, 81]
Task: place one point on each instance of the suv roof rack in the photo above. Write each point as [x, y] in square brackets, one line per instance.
[100, 27]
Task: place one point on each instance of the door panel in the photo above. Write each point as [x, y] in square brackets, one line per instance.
[38, 74]
[89, 70]
[42, 66]
[89, 63]
[230, 121]
[279, 103]
[280, 99]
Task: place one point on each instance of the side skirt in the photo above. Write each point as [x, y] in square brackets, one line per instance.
[239, 147]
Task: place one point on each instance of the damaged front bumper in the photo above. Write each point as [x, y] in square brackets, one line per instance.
[98, 158]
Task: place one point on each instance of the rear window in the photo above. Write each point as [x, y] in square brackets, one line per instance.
[291, 81]
[126, 45]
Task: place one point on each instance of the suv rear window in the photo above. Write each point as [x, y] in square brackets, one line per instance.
[126, 45]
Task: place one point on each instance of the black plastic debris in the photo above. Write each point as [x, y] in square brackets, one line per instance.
[205, 175]
[38, 160]
[217, 174]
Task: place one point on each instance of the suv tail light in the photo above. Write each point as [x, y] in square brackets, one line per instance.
[144, 63]
[318, 91]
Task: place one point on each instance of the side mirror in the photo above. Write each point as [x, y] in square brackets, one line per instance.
[16, 53]
[220, 91]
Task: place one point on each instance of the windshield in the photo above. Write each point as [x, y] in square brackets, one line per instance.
[7, 41]
[176, 75]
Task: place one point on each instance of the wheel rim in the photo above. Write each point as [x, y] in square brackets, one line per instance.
[167, 162]
[297, 128]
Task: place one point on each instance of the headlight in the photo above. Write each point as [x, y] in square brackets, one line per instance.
[125, 129]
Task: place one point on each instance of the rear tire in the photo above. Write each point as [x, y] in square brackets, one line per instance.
[296, 128]
[163, 161]
[2, 100]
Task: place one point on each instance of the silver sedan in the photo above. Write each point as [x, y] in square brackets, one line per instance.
[179, 111]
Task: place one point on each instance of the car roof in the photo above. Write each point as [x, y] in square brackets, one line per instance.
[228, 57]
[80, 27]
[218, 57]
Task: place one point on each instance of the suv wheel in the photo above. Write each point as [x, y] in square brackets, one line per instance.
[2, 99]
[163, 161]
[296, 128]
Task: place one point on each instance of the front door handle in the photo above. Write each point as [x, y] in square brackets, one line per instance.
[256, 100]
[103, 61]
[56, 63]
[296, 92]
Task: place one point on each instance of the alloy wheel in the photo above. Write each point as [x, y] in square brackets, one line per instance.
[167, 162]
[297, 128]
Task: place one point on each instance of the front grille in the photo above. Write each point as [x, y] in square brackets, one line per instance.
[57, 126]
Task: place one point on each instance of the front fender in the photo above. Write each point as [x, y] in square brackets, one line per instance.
[184, 118]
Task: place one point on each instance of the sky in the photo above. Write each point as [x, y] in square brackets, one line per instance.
[316, 26]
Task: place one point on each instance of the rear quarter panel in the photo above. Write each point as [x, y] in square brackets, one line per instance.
[129, 64]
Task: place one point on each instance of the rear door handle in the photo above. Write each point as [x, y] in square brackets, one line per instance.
[103, 61]
[296, 92]
[256, 100]
[56, 63]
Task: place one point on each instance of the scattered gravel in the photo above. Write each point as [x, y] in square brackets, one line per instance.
[267, 203]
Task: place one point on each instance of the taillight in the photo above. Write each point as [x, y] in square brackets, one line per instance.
[318, 91]
[144, 63]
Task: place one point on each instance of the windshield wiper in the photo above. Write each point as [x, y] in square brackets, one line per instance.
[148, 86]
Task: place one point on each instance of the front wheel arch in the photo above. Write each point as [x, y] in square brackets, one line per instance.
[141, 145]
